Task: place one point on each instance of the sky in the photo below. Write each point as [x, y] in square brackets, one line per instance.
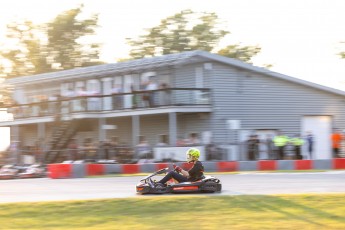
[300, 38]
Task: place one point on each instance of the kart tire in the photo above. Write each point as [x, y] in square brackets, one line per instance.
[219, 187]
[209, 187]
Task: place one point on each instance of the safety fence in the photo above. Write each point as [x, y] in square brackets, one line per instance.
[66, 170]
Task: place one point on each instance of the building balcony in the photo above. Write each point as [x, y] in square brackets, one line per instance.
[113, 105]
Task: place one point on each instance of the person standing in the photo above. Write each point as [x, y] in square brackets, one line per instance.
[336, 139]
[151, 87]
[269, 147]
[297, 142]
[310, 143]
[280, 142]
[253, 147]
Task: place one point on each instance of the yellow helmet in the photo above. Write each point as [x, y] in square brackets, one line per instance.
[192, 154]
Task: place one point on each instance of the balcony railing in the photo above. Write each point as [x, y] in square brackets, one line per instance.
[114, 102]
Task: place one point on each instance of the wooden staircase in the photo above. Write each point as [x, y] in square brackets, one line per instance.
[60, 140]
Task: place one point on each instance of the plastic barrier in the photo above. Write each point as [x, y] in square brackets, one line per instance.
[57, 171]
[229, 166]
[95, 169]
[60, 171]
[303, 164]
[130, 168]
[267, 165]
[339, 163]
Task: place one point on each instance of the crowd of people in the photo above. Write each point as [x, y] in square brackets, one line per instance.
[277, 147]
[149, 93]
[281, 146]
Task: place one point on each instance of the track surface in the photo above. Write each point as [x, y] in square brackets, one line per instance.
[45, 189]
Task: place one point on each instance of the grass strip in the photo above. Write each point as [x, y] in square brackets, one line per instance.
[180, 212]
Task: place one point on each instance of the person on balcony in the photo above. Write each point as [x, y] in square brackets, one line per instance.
[117, 99]
[164, 94]
[152, 85]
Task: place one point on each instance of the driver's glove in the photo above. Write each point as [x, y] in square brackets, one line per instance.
[177, 168]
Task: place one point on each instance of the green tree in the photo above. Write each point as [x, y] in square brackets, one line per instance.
[187, 31]
[5, 93]
[59, 44]
[244, 53]
[342, 54]
[24, 54]
[67, 40]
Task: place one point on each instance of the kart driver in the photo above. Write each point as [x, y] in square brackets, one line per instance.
[194, 174]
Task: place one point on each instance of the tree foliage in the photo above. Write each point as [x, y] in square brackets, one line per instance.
[187, 31]
[342, 54]
[64, 35]
[243, 53]
[24, 51]
[53, 46]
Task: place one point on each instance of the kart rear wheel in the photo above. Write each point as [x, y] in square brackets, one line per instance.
[209, 187]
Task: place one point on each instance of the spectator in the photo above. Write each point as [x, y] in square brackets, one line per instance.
[180, 142]
[212, 152]
[310, 143]
[143, 149]
[125, 153]
[89, 149]
[106, 149]
[253, 147]
[152, 85]
[66, 105]
[38, 151]
[117, 99]
[164, 94]
[280, 141]
[114, 145]
[81, 104]
[270, 147]
[162, 141]
[93, 102]
[72, 149]
[54, 104]
[193, 140]
[297, 142]
[336, 138]
[135, 99]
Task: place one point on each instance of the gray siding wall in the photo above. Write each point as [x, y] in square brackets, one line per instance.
[152, 126]
[264, 102]
[123, 130]
[192, 123]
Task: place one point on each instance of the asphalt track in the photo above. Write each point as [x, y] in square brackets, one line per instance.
[45, 189]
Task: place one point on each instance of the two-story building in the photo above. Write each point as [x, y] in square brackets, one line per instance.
[219, 99]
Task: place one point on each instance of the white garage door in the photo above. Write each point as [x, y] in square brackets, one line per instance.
[321, 128]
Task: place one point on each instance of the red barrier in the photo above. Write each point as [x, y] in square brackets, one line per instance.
[130, 168]
[267, 165]
[161, 166]
[339, 163]
[228, 166]
[303, 164]
[95, 169]
[60, 171]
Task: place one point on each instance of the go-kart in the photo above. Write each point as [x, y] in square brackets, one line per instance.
[9, 172]
[207, 184]
[33, 171]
